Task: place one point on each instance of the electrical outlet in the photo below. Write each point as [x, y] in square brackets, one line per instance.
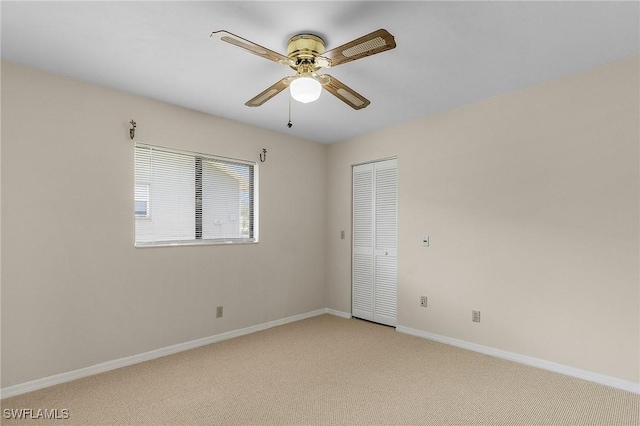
[423, 301]
[475, 316]
[219, 312]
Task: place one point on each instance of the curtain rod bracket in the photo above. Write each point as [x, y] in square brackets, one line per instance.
[132, 130]
[263, 156]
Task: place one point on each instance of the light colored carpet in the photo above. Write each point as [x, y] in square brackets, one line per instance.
[331, 371]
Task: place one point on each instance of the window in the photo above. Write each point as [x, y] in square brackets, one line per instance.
[190, 198]
[142, 200]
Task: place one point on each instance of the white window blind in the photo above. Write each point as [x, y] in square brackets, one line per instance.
[142, 199]
[191, 198]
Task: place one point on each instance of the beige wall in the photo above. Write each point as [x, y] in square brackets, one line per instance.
[75, 291]
[531, 203]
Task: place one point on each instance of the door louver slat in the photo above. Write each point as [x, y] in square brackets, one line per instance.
[386, 208]
[362, 205]
[362, 278]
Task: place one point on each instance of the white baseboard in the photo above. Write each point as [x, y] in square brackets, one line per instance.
[523, 359]
[340, 314]
[147, 356]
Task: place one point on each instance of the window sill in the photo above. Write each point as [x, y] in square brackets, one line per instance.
[194, 243]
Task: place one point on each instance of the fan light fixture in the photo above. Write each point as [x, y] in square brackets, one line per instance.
[305, 89]
[306, 55]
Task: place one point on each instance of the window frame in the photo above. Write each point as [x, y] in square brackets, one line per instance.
[199, 159]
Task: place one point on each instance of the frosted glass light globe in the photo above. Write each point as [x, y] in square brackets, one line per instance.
[305, 89]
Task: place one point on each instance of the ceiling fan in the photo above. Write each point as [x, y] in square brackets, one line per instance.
[306, 55]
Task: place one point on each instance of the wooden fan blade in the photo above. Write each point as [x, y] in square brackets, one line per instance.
[269, 93]
[250, 46]
[370, 44]
[343, 92]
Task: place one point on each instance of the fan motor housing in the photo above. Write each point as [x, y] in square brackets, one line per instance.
[305, 47]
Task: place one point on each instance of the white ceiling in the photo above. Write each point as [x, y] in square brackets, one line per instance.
[448, 53]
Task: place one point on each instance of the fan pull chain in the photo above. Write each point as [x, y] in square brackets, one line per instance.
[289, 124]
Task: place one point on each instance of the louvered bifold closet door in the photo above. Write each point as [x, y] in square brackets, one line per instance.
[374, 266]
[385, 247]
[362, 268]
